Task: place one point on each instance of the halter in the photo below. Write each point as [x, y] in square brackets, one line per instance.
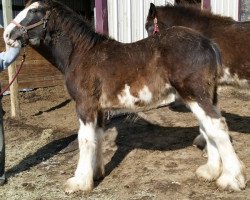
[156, 27]
[25, 29]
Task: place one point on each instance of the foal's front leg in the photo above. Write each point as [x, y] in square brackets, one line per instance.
[90, 162]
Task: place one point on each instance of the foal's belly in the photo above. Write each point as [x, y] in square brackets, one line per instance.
[144, 99]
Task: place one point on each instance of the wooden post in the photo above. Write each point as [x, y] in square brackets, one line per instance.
[15, 108]
[101, 16]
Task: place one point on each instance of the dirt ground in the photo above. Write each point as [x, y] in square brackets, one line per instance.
[147, 156]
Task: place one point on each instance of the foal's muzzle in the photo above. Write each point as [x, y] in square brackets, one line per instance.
[24, 29]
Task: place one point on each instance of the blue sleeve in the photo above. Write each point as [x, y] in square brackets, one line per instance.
[6, 58]
[1, 60]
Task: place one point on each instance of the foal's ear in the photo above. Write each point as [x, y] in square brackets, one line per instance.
[152, 11]
[27, 2]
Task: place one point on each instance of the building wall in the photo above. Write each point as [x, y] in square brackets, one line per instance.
[126, 18]
[245, 8]
[228, 8]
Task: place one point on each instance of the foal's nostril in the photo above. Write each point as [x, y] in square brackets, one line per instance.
[7, 35]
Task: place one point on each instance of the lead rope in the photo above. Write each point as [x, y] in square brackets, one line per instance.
[15, 76]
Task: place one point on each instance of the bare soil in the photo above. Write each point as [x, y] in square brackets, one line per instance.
[148, 155]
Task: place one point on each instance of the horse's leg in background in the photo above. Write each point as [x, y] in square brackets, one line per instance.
[179, 106]
[2, 147]
[215, 130]
[90, 162]
[99, 170]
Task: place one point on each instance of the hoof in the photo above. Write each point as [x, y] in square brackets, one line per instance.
[75, 184]
[204, 153]
[2, 181]
[233, 183]
[200, 142]
[100, 173]
[208, 173]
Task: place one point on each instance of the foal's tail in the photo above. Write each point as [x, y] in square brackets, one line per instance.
[219, 70]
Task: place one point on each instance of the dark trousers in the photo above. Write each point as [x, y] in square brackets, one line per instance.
[2, 146]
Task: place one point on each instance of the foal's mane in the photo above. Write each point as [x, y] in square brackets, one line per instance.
[192, 13]
[77, 28]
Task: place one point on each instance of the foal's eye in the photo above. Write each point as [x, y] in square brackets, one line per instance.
[33, 10]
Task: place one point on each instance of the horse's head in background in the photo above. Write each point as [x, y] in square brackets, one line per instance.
[29, 26]
[153, 25]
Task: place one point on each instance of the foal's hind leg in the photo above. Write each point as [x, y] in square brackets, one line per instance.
[212, 169]
[215, 129]
[201, 141]
[90, 162]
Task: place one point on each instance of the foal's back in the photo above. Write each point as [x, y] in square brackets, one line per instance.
[232, 37]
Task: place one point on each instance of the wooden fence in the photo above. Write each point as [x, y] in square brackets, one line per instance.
[36, 72]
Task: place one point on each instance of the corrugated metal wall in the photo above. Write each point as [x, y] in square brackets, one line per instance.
[228, 8]
[127, 18]
[245, 10]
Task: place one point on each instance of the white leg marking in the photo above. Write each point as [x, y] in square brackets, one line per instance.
[233, 176]
[83, 179]
[212, 169]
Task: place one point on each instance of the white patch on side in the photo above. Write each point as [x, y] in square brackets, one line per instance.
[171, 97]
[230, 79]
[145, 95]
[232, 176]
[20, 17]
[126, 99]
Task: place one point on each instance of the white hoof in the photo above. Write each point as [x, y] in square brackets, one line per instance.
[207, 172]
[229, 182]
[76, 184]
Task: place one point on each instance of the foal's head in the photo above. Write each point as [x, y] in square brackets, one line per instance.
[152, 20]
[21, 28]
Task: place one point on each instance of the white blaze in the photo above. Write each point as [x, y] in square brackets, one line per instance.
[20, 17]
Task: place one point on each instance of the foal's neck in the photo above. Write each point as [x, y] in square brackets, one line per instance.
[61, 49]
